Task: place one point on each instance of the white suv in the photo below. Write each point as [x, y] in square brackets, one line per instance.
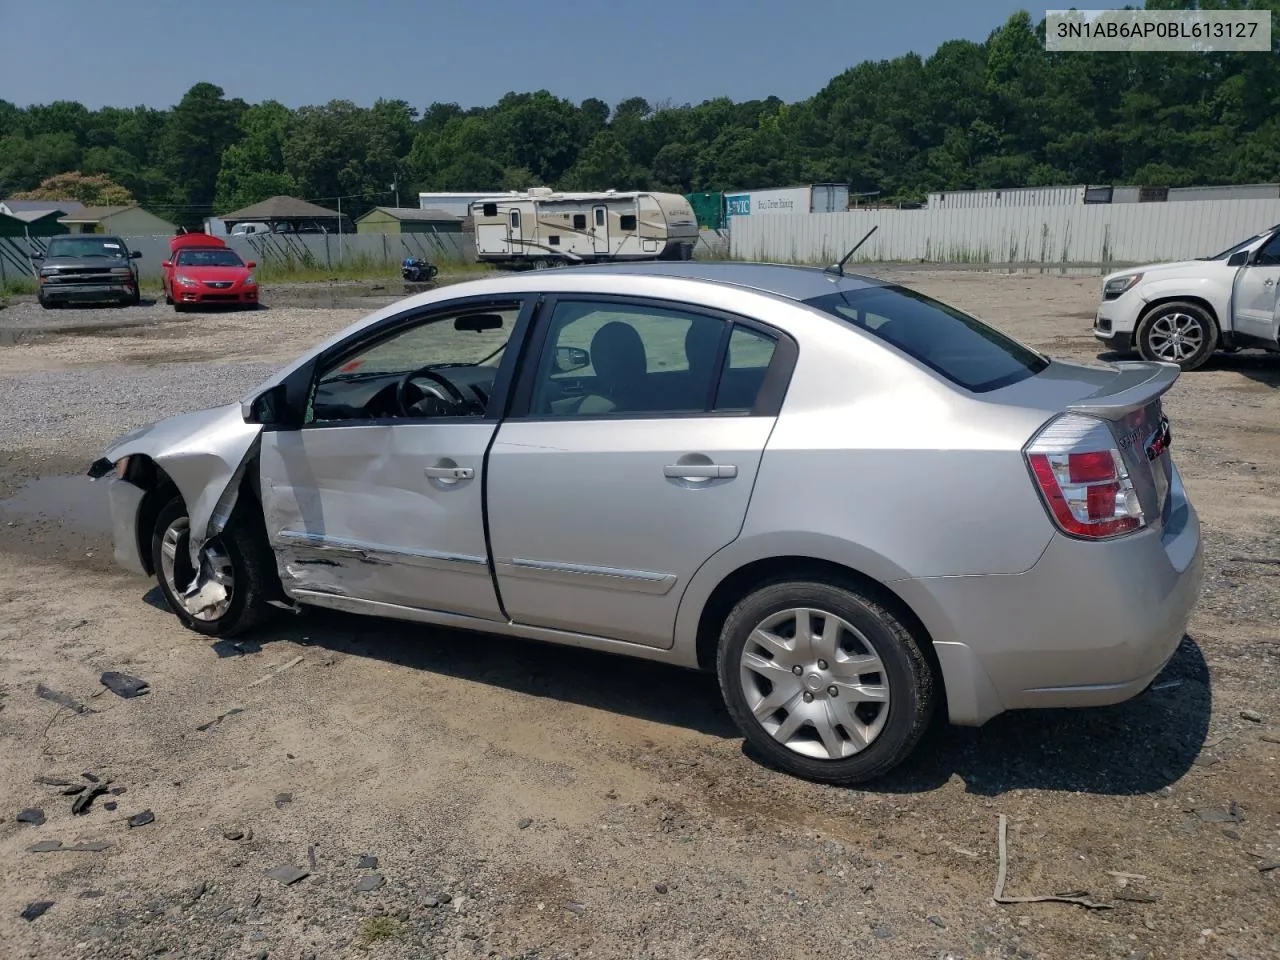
[1182, 312]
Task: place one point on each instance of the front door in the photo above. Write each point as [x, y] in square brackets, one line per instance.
[515, 232]
[1255, 294]
[611, 484]
[378, 496]
[600, 228]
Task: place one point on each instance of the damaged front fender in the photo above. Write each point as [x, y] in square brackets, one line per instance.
[205, 454]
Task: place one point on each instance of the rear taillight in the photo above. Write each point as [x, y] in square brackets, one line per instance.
[1083, 479]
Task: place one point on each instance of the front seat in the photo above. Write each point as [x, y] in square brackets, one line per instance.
[620, 364]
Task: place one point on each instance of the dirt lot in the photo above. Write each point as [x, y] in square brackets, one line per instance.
[527, 801]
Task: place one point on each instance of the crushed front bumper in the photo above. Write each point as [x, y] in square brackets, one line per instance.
[125, 500]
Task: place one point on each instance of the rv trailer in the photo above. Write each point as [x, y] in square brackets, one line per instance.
[541, 228]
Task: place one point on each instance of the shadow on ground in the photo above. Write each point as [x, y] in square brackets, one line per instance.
[1264, 368]
[1136, 747]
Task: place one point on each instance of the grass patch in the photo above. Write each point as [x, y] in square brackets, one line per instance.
[19, 287]
[378, 929]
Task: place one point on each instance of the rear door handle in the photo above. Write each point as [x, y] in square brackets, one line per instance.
[1267, 282]
[449, 473]
[700, 471]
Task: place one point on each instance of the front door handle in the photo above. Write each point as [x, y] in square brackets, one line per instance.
[450, 473]
[1267, 282]
[700, 471]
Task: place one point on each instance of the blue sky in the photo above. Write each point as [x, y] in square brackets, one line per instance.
[130, 52]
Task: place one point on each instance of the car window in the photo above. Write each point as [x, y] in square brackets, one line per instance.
[750, 354]
[209, 258]
[609, 358]
[444, 366]
[108, 247]
[1269, 255]
[959, 347]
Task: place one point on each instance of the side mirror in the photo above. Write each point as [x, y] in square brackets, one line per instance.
[267, 408]
[1238, 259]
[569, 359]
[251, 264]
[37, 256]
[136, 255]
[167, 264]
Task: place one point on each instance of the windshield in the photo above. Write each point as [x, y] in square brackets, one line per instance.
[213, 257]
[1240, 246]
[959, 347]
[87, 247]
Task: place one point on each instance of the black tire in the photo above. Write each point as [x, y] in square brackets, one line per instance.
[1154, 330]
[253, 569]
[907, 675]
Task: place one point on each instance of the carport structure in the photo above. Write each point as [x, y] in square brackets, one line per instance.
[288, 215]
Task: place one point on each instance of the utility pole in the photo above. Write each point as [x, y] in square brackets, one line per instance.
[340, 231]
[395, 186]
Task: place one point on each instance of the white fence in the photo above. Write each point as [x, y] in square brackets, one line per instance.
[281, 251]
[1084, 235]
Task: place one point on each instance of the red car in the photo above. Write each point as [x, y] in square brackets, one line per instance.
[203, 270]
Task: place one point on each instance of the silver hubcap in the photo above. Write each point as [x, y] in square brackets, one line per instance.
[1176, 337]
[205, 594]
[814, 683]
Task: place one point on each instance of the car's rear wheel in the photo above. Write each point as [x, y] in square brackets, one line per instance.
[1178, 332]
[235, 574]
[825, 681]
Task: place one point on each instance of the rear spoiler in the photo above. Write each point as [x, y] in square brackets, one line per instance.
[1138, 384]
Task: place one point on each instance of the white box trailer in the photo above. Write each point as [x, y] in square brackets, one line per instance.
[542, 228]
[815, 198]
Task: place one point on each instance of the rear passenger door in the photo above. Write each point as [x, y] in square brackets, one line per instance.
[627, 460]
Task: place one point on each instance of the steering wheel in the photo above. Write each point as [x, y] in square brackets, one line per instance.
[426, 373]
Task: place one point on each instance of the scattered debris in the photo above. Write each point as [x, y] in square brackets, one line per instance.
[1271, 737]
[198, 891]
[36, 910]
[234, 834]
[660, 887]
[116, 791]
[219, 718]
[998, 896]
[963, 852]
[1268, 867]
[445, 897]
[1166, 685]
[91, 894]
[282, 799]
[31, 815]
[91, 777]
[575, 908]
[1253, 716]
[367, 862]
[368, 884]
[287, 873]
[1133, 896]
[278, 670]
[1126, 876]
[141, 819]
[937, 922]
[124, 685]
[882, 933]
[71, 789]
[1271, 561]
[55, 846]
[53, 781]
[311, 855]
[61, 699]
[85, 800]
[110, 805]
[525, 823]
[431, 902]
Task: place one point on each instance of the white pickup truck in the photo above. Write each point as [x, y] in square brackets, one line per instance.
[1182, 312]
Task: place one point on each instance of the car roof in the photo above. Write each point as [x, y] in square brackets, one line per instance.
[791, 282]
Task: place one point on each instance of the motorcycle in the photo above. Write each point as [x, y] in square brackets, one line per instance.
[415, 270]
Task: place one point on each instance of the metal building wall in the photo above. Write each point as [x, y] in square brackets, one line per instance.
[1085, 234]
[1016, 197]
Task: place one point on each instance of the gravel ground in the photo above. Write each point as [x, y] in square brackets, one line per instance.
[529, 801]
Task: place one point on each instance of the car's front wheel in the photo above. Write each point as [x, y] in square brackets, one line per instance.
[825, 681]
[231, 592]
[1179, 332]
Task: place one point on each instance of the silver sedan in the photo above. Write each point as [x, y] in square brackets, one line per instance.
[853, 502]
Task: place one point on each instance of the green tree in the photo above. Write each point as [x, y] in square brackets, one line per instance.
[92, 191]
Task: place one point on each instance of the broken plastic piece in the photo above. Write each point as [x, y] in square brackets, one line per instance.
[123, 685]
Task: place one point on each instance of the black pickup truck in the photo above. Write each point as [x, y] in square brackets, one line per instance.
[87, 267]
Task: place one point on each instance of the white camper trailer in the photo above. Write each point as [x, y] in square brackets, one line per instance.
[542, 228]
